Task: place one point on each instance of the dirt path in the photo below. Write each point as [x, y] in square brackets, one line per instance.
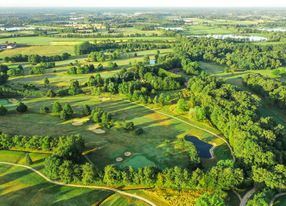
[276, 197]
[247, 195]
[81, 186]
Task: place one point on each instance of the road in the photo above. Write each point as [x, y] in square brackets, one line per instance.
[81, 186]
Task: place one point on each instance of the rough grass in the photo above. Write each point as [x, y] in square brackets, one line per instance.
[25, 187]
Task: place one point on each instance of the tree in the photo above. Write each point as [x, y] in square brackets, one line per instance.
[87, 173]
[52, 164]
[64, 115]
[44, 109]
[66, 171]
[209, 200]
[182, 105]
[57, 108]
[21, 107]
[28, 159]
[3, 110]
[46, 82]
[68, 110]
[86, 110]
[51, 93]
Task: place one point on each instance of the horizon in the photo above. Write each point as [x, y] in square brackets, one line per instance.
[140, 4]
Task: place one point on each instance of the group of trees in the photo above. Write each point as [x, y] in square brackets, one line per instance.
[65, 112]
[41, 67]
[267, 87]
[3, 73]
[139, 83]
[6, 92]
[21, 108]
[101, 56]
[73, 89]
[66, 146]
[85, 69]
[223, 176]
[17, 71]
[256, 141]
[35, 58]
[128, 46]
[237, 56]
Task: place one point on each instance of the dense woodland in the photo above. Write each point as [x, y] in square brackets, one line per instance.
[236, 56]
[269, 88]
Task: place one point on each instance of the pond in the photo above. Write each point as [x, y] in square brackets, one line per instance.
[202, 147]
[273, 29]
[235, 37]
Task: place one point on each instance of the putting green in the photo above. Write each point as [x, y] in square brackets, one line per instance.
[137, 161]
[4, 102]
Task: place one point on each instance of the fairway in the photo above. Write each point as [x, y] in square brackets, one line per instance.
[142, 106]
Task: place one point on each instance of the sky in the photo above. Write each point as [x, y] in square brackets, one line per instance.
[142, 3]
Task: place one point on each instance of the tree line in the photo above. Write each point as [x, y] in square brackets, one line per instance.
[270, 88]
[35, 58]
[258, 142]
[129, 46]
[236, 56]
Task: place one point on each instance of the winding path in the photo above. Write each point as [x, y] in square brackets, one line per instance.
[247, 195]
[276, 197]
[81, 186]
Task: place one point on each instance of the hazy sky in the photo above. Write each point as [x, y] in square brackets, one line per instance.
[143, 3]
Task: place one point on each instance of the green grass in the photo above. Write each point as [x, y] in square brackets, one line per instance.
[136, 161]
[47, 50]
[4, 102]
[281, 201]
[22, 186]
[58, 76]
[118, 200]
[159, 138]
[209, 29]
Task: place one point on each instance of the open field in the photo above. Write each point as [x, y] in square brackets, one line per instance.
[58, 76]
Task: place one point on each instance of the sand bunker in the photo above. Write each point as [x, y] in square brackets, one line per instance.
[96, 129]
[127, 154]
[105, 99]
[119, 159]
[79, 121]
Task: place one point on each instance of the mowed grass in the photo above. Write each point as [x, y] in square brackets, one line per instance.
[45, 50]
[58, 76]
[157, 145]
[24, 187]
[118, 200]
